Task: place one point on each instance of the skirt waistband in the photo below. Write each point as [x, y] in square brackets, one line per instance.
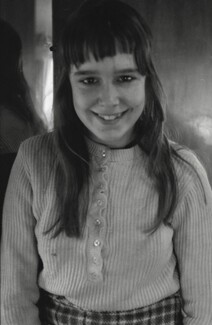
[57, 310]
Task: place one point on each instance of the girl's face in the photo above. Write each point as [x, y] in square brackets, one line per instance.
[108, 97]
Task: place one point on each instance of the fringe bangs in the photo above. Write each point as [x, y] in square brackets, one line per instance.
[102, 37]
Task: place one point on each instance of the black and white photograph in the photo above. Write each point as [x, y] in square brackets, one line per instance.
[105, 162]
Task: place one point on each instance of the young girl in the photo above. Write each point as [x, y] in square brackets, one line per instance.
[105, 220]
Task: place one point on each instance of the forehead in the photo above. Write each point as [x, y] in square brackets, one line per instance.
[119, 61]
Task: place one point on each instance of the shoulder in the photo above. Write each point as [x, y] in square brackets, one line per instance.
[43, 141]
[190, 171]
[186, 160]
[39, 149]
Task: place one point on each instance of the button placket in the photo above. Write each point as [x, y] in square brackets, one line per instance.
[103, 153]
[95, 262]
[102, 160]
[102, 156]
[101, 188]
[97, 223]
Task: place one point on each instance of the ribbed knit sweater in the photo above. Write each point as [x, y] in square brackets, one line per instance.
[116, 265]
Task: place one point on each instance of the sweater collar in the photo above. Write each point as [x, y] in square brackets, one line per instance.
[101, 151]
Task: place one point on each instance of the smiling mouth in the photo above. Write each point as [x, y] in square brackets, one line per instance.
[110, 117]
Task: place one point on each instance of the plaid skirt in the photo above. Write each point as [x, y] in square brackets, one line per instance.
[57, 310]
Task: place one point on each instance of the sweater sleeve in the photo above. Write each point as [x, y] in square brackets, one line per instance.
[19, 257]
[193, 248]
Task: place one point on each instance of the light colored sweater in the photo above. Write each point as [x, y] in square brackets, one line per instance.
[116, 265]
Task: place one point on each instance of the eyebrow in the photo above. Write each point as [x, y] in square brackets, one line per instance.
[87, 72]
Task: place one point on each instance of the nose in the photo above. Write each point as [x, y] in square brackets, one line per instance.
[109, 95]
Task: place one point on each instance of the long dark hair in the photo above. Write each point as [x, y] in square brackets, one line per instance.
[103, 28]
[14, 89]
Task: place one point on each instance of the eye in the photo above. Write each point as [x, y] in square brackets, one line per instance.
[89, 81]
[126, 78]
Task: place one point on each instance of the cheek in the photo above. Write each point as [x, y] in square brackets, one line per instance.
[78, 100]
[82, 99]
[141, 96]
[135, 97]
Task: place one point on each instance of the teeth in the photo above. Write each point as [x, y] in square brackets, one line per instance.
[110, 117]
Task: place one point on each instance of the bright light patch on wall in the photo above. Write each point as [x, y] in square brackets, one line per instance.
[44, 60]
[203, 125]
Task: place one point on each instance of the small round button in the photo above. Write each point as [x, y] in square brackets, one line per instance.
[104, 153]
[97, 222]
[95, 260]
[99, 202]
[93, 276]
[102, 188]
[96, 243]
